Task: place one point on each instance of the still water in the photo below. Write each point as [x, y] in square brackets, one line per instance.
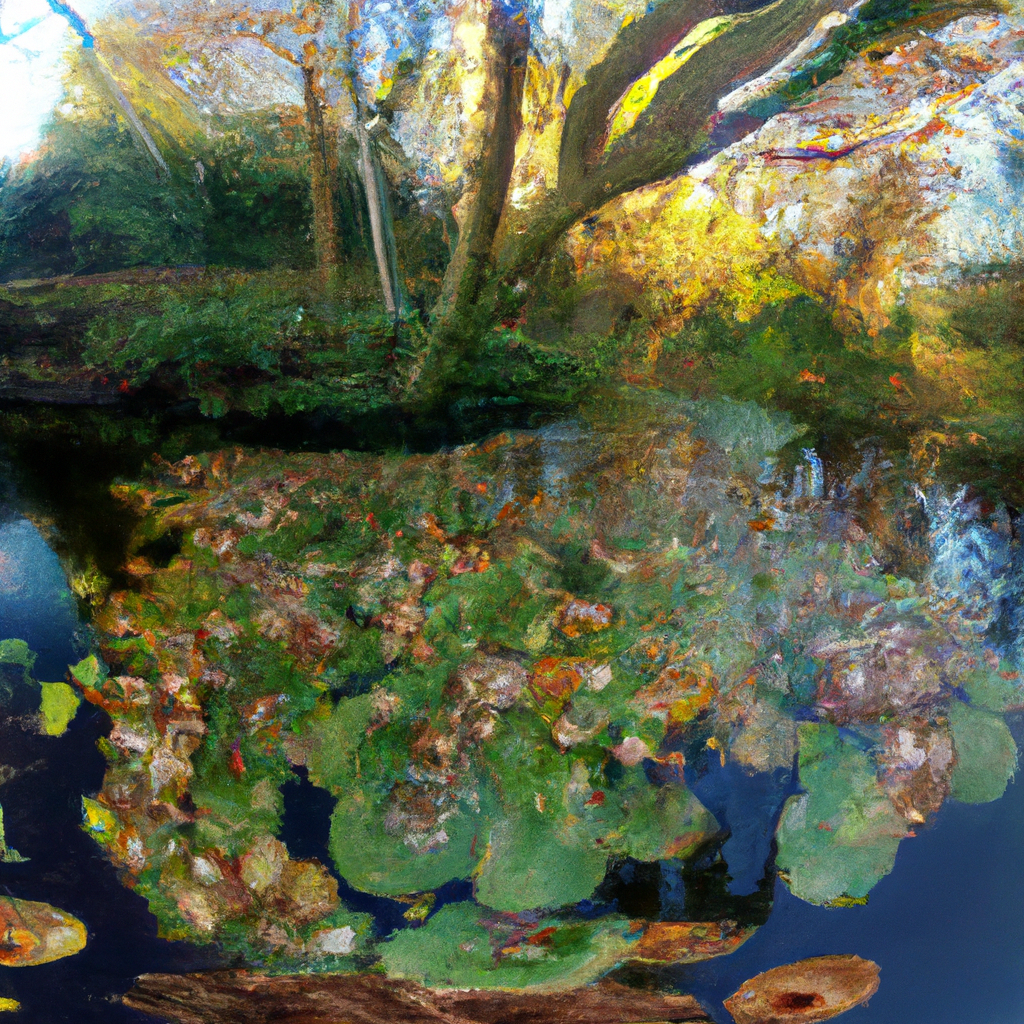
[42, 812]
[946, 926]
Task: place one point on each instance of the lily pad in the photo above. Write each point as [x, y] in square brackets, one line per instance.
[465, 946]
[840, 836]
[529, 865]
[986, 755]
[58, 707]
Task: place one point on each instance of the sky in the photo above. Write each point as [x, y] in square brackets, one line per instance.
[33, 40]
[34, 37]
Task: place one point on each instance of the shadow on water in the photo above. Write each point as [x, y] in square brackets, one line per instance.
[63, 461]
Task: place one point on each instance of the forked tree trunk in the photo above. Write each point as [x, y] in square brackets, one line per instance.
[593, 171]
[323, 166]
[505, 50]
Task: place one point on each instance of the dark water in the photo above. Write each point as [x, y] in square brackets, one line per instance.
[43, 812]
[946, 926]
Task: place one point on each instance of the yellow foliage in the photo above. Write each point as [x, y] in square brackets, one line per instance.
[686, 245]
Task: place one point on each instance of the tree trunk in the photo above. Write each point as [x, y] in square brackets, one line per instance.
[673, 128]
[242, 998]
[323, 163]
[381, 227]
[506, 46]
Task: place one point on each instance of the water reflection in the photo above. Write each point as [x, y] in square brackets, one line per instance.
[35, 603]
[946, 926]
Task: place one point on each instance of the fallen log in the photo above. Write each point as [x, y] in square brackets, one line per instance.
[240, 997]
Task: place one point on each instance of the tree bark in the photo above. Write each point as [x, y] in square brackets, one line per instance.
[323, 163]
[381, 227]
[241, 998]
[506, 46]
[673, 127]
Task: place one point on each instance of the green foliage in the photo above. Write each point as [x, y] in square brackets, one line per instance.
[258, 212]
[258, 343]
[762, 361]
[92, 203]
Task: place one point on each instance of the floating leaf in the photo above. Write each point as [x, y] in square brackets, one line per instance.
[840, 836]
[89, 673]
[58, 707]
[36, 933]
[16, 661]
[986, 755]
[688, 942]
[528, 864]
[463, 946]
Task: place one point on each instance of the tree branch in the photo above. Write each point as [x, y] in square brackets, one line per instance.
[638, 47]
[673, 125]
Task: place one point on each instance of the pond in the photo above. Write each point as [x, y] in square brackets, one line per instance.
[43, 811]
[946, 925]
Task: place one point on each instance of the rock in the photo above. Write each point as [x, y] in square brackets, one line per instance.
[36, 933]
[809, 990]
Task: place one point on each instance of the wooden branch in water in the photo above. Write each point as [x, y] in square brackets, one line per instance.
[239, 997]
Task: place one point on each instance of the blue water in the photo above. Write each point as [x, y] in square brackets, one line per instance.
[946, 926]
[43, 812]
[35, 603]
